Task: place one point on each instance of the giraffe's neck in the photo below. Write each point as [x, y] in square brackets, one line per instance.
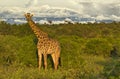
[39, 33]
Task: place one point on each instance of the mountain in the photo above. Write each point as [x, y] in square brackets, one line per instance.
[44, 13]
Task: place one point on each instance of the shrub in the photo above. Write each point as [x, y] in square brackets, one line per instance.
[98, 46]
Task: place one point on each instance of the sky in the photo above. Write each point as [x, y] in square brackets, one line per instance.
[88, 7]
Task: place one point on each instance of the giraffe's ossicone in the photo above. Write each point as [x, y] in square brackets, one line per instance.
[45, 44]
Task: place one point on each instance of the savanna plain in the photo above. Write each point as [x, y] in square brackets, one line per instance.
[87, 51]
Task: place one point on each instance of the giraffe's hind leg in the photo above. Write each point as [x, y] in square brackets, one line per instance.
[55, 58]
[39, 59]
[45, 60]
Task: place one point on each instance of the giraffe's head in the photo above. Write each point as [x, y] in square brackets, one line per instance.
[28, 16]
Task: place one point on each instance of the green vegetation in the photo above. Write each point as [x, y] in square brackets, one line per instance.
[85, 51]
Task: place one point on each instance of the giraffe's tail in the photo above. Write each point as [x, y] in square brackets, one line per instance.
[60, 61]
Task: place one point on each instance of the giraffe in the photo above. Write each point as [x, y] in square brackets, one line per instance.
[45, 44]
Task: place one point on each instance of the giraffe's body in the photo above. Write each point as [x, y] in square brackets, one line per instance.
[45, 44]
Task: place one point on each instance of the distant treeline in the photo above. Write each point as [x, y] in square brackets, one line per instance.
[90, 30]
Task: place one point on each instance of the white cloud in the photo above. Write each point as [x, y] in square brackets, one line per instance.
[95, 9]
[32, 3]
[92, 8]
[114, 17]
[101, 17]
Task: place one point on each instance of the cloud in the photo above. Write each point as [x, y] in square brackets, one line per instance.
[95, 9]
[110, 9]
[101, 17]
[32, 3]
[101, 9]
[98, 9]
[116, 18]
[74, 2]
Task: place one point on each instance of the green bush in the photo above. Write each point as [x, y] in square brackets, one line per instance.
[98, 46]
[14, 49]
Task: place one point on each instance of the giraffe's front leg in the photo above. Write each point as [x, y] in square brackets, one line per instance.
[45, 61]
[39, 59]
